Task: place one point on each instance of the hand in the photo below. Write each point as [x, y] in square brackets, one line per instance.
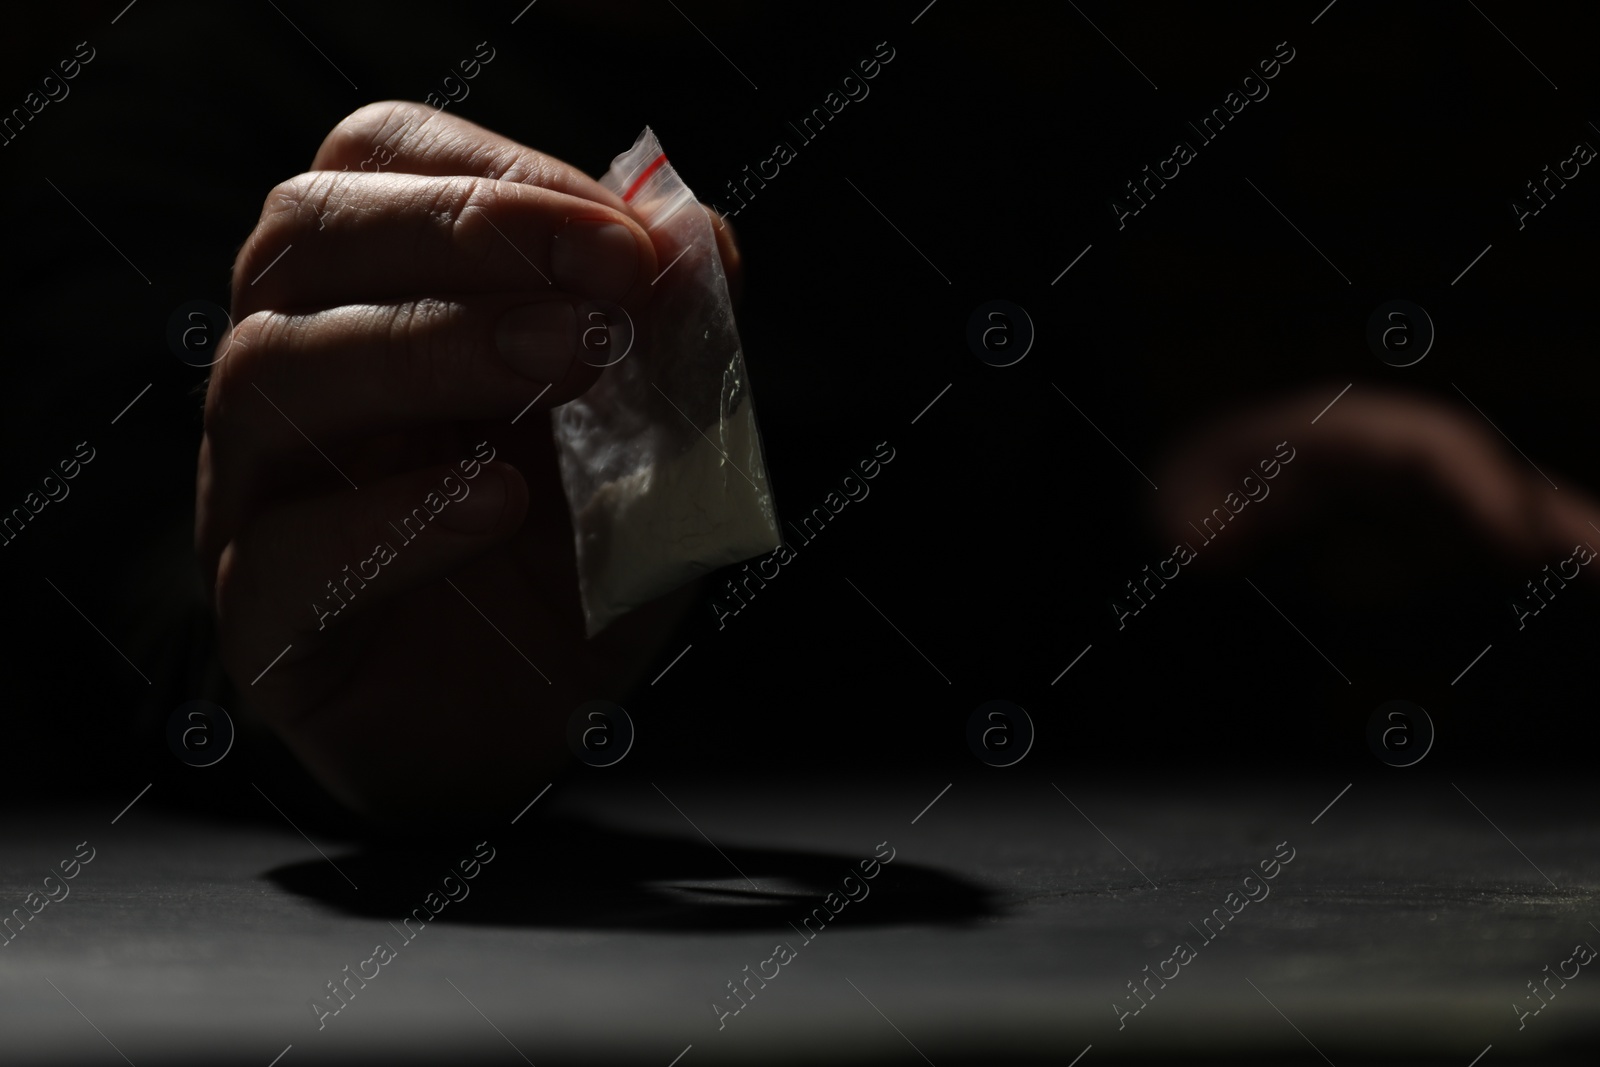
[1373, 451]
[389, 326]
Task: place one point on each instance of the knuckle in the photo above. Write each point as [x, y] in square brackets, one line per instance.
[440, 349]
[251, 343]
[301, 199]
[253, 334]
[432, 350]
[394, 125]
[379, 122]
[465, 207]
[514, 163]
[288, 208]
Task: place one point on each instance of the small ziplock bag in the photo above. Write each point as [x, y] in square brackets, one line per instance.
[661, 460]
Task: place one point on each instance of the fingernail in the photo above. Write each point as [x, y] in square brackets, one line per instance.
[539, 340]
[477, 512]
[595, 259]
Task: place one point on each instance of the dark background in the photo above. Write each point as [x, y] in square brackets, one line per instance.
[1396, 140]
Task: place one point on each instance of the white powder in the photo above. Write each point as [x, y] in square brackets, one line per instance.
[660, 459]
[647, 533]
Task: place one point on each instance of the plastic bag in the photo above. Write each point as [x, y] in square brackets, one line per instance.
[661, 460]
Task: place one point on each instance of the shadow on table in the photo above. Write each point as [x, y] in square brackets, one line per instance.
[578, 873]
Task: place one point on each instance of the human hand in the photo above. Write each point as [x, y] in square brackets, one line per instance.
[1370, 452]
[391, 331]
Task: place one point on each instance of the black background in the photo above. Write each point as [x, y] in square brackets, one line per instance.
[1395, 140]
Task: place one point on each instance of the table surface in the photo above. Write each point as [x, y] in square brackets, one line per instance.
[1005, 929]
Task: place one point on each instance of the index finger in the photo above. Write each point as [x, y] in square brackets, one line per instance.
[414, 138]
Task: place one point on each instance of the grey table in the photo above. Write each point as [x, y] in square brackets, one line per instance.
[1007, 927]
